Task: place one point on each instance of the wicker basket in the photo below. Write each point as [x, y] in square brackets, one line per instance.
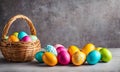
[19, 51]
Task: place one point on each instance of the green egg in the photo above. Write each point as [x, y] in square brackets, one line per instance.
[16, 34]
[38, 56]
[106, 55]
[6, 37]
[33, 37]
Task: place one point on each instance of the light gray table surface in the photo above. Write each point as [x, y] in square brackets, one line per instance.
[34, 66]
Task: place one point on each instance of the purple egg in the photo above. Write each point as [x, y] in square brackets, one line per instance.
[63, 58]
[59, 49]
[26, 39]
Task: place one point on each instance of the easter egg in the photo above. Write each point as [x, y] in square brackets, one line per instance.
[98, 48]
[26, 39]
[88, 48]
[49, 59]
[16, 34]
[13, 38]
[106, 55]
[38, 56]
[59, 49]
[72, 49]
[58, 45]
[33, 37]
[6, 37]
[50, 48]
[63, 58]
[78, 58]
[22, 34]
[93, 57]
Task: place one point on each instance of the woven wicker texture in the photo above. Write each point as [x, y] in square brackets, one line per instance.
[19, 51]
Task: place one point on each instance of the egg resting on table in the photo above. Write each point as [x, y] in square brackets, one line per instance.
[63, 58]
[52, 49]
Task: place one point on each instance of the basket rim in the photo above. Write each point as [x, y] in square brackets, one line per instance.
[14, 18]
[20, 43]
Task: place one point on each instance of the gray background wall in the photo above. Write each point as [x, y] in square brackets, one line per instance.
[67, 21]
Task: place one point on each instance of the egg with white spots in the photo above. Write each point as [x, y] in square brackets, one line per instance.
[52, 49]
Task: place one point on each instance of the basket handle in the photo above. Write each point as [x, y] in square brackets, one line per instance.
[19, 16]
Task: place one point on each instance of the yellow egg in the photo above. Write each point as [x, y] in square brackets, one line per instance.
[13, 38]
[78, 58]
[88, 48]
[72, 49]
[49, 59]
[98, 48]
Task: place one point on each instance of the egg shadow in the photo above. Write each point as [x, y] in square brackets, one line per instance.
[35, 63]
[62, 64]
[101, 62]
[3, 61]
[82, 65]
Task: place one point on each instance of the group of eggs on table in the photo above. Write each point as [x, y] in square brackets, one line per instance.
[21, 36]
[52, 55]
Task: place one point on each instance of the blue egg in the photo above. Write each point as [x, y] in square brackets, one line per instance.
[52, 49]
[22, 34]
[93, 57]
[38, 56]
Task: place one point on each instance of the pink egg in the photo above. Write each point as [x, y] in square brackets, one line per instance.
[26, 39]
[59, 49]
[58, 45]
[63, 58]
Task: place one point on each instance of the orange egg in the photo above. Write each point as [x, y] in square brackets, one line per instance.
[72, 49]
[49, 59]
[78, 58]
[13, 38]
[88, 48]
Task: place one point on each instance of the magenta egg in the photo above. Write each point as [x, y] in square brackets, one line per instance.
[63, 58]
[26, 39]
[59, 49]
[58, 45]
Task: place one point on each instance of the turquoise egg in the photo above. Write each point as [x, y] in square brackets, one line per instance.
[33, 37]
[52, 49]
[22, 34]
[38, 56]
[93, 57]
